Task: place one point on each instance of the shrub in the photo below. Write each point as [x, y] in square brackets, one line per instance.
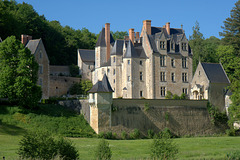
[183, 96]
[231, 132]
[175, 96]
[109, 135]
[163, 147]
[42, 145]
[169, 95]
[235, 155]
[146, 106]
[150, 134]
[114, 136]
[135, 134]
[101, 135]
[103, 151]
[124, 135]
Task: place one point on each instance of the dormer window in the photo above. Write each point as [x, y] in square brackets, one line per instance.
[184, 46]
[162, 44]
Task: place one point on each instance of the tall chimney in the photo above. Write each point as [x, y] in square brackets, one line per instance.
[168, 27]
[131, 35]
[137, 35]
[107, 39]
[147, 26]
[25, 39]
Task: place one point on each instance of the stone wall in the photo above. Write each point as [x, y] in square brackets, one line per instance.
[182, 117]
[59, 85]
[80, 106]
[56, 70]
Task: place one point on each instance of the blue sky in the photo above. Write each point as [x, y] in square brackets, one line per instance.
[126, 14]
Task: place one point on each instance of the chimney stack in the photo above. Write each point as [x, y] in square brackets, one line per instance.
[25, 39]
[107, 39]
[168, 27]
[131, 35]
[137, 35]
[147, 26]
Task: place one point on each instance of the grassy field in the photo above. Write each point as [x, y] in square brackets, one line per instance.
[14, 122]
[189, 148]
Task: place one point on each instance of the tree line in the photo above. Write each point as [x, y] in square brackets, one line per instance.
[61, 43]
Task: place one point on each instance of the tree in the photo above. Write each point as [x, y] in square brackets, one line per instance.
[163, 147]
[103, 151]
[231, 30]
[81, 88]
[119, 34]
[18, 74]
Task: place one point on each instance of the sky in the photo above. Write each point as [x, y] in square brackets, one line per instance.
[125, 14]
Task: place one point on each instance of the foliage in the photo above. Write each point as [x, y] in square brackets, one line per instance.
[42, 145]
[18, 74]
[169, 95]
[17, 19]
[163, 147]
[119, 34]
[103, 151]
[81, 88]
[124, 135]
[235, 155]
[183, 96]
[53, 118]
[146, 106]
[217, 116]
[135, 134]
[150, 134]
[175, 96]
[74, 70]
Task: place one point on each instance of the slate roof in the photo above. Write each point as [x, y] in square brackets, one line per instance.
[101, 86]
[118, 47]
[215, 73]
[152, 43]
[130, 52]
[174, 31]
[33, 44]
[87, 55]
[101, 39]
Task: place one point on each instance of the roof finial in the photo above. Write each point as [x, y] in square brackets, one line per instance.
[181, 26]
[199, 59]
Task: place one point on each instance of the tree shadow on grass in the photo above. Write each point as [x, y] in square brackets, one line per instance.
[11, 129]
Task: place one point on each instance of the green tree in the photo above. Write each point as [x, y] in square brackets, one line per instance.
[81, 88]
[231, 30]
[163, 147]
[119, 34]
[103, 151]
[74, 70]
[18, 74]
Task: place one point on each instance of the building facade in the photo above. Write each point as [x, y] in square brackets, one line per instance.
[145, 65]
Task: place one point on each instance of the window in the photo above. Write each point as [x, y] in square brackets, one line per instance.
[40, 69]
[172, 46]
[108, 70]
[128, 61]
[141, 76]
[40, 82]
[89, 67]
[185, 90]
[173, 62]
[199, 72]
[173, 77]
[113, 80]
[184, 46]
[141, 63]
[163, 91]
[184, 77]
[162, 76]
[114, 59]
[114, 72]
[128, 78]
[162, 44]
[141, 93]
[162, 61]
[184, 62]
[40, 54]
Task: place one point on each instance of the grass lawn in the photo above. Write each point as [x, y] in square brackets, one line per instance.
[189, 148]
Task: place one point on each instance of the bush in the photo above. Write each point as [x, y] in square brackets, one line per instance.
[231, 132]
[109, 135]
[103, 151]
[124, 135]
[135, 134]
[175, 96]
[183, 96]
[150, 134]
[42, 145]
[101, 135]
[169, 95]
[163, 147]
[235, 155]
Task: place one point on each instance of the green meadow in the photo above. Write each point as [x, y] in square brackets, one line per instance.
[14, 122]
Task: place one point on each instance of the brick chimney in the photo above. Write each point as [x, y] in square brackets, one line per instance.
[137, 35]
[168, 28]
[107, 39]
[131, 35]
[25, 39]
[147, 26]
